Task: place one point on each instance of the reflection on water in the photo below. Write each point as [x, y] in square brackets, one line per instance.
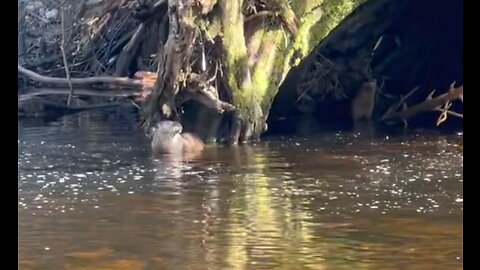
[92, 197]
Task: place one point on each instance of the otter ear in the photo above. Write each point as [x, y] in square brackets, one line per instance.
[151, 132]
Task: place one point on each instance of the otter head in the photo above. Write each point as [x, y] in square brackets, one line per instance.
[168, 127]
[166, 138]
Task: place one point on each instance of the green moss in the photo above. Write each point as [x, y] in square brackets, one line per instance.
[237, 58]
[264, 79]
[335, 11]
[255, 42]
[307, 22]
[302, 8]
[273, 49]
[320, 17]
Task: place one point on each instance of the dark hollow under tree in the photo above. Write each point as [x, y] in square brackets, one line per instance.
[411, 44]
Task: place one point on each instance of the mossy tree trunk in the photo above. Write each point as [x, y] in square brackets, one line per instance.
[232, 55]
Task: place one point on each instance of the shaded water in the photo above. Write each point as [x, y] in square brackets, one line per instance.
[91, 196]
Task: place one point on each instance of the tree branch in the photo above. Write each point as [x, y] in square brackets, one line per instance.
[453, 93]
[63, 83]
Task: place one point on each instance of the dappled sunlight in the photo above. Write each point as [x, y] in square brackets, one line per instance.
[337, 201]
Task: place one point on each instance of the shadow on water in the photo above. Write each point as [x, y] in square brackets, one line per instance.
[91, 196]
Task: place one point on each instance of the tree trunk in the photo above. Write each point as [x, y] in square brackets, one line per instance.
[239, 52]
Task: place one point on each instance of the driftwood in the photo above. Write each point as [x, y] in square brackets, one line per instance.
[209, 101]
[430, 104]
[38, 102]
[137, 88]
[128, 54]
[93, 37]
[107, 81]
[81, 92]
[36, 106]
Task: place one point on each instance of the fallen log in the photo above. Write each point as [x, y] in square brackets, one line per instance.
[37, 106]
[81, 92]
[148, 78]
[107, 82]
[37, 102]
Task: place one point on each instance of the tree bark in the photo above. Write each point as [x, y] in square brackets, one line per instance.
[173, 61]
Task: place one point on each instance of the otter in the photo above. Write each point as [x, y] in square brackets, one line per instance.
[168, 139]
[364, 102]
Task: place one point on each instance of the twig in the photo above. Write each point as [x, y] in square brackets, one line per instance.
[402, 100]
[135, 104]
[65, 64]
[443, 116]
[311, 83]
[36, 16]
[377, 44]
[459, 115]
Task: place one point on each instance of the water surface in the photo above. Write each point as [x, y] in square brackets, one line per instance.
[91, 196]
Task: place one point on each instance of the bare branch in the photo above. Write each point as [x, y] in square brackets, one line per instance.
[453, 93]
[400, 103]
[62, 82]
[65, 64]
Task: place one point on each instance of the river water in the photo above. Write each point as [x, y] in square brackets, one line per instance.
[91, 196]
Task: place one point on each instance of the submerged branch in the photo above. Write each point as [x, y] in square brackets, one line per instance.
[432, 104]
